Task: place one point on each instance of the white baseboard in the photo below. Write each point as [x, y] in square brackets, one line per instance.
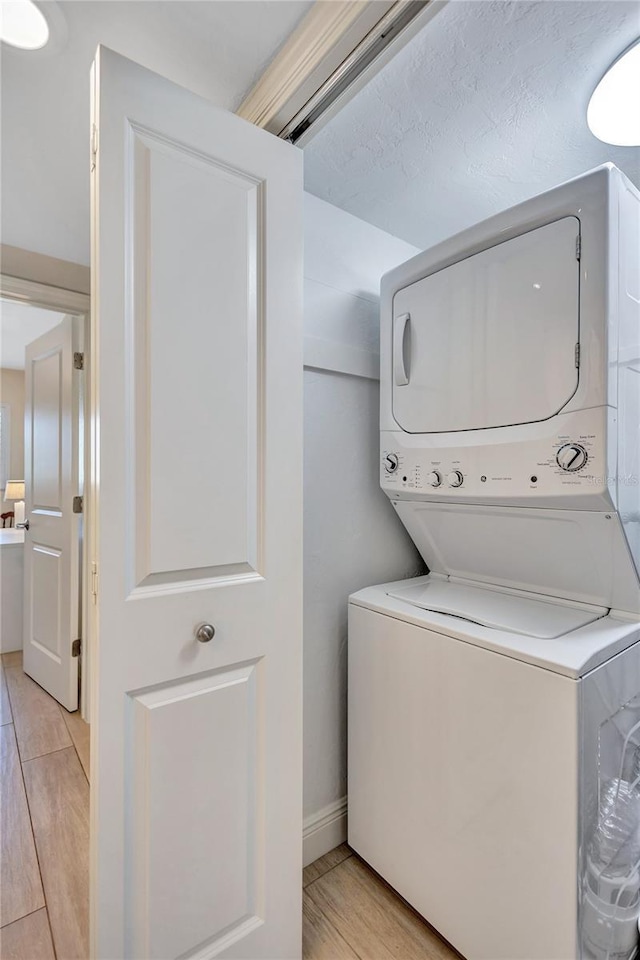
[324, 830]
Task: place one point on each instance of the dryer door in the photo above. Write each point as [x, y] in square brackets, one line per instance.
[491, 340]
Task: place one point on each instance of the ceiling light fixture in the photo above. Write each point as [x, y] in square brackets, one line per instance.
[613, 113]
[23, 25]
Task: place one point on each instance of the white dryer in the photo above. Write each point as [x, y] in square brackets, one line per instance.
[494, 705]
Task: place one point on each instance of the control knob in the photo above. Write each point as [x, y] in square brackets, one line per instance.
[391, 462]
[455, 479]
[434, 479]
[571, 457]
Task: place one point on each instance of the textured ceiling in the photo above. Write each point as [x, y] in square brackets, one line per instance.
[218, 49]
[483, 108]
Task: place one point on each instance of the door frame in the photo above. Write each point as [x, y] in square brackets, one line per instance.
[79, 304]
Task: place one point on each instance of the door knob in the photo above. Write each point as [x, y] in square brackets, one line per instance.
[22, 526]
[205, 632]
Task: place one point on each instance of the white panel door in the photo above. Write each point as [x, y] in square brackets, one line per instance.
[196, 750]
[52, 537]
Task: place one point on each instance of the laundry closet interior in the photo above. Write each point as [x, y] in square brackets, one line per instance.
[352, 428]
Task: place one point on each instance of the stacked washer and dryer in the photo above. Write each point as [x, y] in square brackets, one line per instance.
[494, 705]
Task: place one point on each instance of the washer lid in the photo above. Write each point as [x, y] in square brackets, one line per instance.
[489, 607]
[567, 555]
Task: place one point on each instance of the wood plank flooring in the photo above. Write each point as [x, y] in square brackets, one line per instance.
[37, 717]
[349, 913]
[21, 890]
[58, 794]
[321, 866]
[79, 733]
[44, 870]
[27, 939]
[5, 707]
[320, 939]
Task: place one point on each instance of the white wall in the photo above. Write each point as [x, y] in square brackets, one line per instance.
[352, 537]
[218, 50]
[11, 589]
[11, 554]
[12, 392]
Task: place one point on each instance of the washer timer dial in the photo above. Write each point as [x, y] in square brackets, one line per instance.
[571, 457]
[391, 462]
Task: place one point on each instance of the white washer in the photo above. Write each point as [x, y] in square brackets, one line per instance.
[473, 758]
[494, 706]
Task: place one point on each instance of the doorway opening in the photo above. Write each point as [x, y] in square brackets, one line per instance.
[44, 344]
[43, 339]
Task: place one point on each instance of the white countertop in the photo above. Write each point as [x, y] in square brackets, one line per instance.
[10, 535]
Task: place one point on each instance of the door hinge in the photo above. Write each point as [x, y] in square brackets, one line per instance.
[578, 246]
[577, 355]
[94, 146]
[78, 361]
[94, 581]
[76, 648]
[78, 504]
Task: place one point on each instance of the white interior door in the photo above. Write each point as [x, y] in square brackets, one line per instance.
[196, 746]
[52, 539]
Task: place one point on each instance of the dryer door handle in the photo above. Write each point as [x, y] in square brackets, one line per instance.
[400, 327]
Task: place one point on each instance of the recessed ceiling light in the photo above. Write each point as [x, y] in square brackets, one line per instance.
[22, 24]
[613, 113]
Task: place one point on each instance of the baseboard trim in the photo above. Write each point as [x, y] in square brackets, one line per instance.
[324, 830]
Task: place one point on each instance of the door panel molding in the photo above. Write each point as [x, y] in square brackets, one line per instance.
[170, 878]
[46, 579]
[170, 182]
[46, 448]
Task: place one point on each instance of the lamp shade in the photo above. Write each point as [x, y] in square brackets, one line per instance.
[14, 490]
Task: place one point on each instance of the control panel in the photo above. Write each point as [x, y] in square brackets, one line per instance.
[560, 465]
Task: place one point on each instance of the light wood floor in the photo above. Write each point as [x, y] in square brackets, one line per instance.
[349, 913]
[44, 839]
